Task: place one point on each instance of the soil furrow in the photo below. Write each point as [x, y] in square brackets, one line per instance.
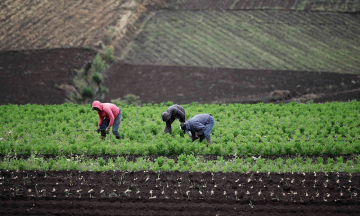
[224, 192]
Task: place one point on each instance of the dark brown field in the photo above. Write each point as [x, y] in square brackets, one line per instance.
[177, 193]
[181, 85]
[37, 76]
[40, 76]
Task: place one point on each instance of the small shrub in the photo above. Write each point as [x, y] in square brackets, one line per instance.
[108, 54]
[87, 92]
[97, 78]
[98, 64]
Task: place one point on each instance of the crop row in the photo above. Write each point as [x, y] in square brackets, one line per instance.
[250, 39]
[185, 163]
[240, 129]
[69, 23]
[298, 5]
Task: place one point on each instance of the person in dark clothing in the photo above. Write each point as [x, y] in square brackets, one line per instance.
[172, 113]
[200, 126]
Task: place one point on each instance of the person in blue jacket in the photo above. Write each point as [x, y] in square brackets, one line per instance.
[200, 126]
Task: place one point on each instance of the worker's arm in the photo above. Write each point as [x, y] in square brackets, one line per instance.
[168, 125]
[199, 127]
[193, 136]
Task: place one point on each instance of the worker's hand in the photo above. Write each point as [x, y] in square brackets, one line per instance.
[196, 137]
[108, 130]
[98, 129]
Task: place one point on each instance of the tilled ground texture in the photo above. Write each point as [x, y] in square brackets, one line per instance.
[181, 193]
[156, 84]
[28, 24]
[307, 5]
[39, 76]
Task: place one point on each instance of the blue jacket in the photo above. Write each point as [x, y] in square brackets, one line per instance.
[197, 124]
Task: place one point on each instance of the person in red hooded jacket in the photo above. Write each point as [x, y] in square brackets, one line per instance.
[109, 116]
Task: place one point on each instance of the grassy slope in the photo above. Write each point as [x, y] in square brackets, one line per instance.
[250, 39]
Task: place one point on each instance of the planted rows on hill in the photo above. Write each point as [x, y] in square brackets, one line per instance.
[261, 129]
[306, 5]
[251, 40]
[43, 24]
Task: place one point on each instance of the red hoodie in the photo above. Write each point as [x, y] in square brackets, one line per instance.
[108, 110]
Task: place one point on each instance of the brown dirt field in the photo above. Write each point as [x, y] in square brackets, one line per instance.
[32, 76]
[180, 193]
[37, 76]
[35, 24]
[182, 85]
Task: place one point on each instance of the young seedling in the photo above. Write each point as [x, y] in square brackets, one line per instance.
[67, 192]
[112, 194]
[158, 178]
[151, 196]
[251, 205]
[127, 192]
[37, 192]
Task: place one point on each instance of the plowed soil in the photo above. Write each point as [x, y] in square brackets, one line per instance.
[180, 193]
[156, 84]
[40, 76]
[37, 76]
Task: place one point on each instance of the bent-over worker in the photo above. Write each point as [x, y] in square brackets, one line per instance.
[109, 116]
[200, 126]
[172, 113]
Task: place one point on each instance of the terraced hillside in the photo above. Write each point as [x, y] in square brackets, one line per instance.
[34, 24]
[250, 40]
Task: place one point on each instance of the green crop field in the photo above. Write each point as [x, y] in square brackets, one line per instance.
[297, 130]
[250, 40]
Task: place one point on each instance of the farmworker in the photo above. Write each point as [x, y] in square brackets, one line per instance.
[109, 115]
[200, 126]
[172, 113]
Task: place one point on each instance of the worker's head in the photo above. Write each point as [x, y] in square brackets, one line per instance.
[165, 116]
[183, 127]
[96, 105]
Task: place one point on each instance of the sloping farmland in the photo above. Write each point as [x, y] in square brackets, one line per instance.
[307, 5]
[34, 24]
[275, 40]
